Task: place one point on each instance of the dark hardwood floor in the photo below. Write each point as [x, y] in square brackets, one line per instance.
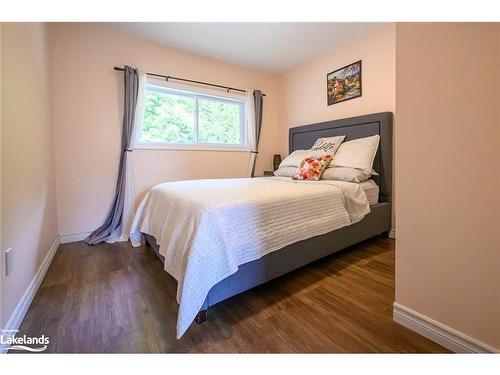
[115, 298]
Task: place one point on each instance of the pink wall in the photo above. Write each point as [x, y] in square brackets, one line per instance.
[304, 88]
[87, 117]
[29, 222]
[448, 175]
[1, 257]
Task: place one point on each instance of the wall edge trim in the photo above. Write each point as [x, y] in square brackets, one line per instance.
[75, 237]
[24, 303]
[440, 333]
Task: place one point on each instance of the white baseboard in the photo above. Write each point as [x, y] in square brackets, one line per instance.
[24, 303]
[448, 337]
[392, 233]
[68, 238]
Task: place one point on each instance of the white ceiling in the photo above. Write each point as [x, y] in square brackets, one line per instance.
[272, 47]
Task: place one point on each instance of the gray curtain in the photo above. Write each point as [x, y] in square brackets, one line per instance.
[114, 219]
[258, 103]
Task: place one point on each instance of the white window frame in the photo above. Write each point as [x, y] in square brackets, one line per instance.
[197, 94]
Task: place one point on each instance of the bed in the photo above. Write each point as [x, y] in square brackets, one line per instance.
[282, 252]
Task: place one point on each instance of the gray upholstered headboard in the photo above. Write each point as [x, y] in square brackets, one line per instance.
[303, 137]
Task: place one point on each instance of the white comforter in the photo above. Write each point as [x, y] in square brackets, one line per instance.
[207, 228]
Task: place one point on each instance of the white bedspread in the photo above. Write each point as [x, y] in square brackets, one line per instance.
[207, 228]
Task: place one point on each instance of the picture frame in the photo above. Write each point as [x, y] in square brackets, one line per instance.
[344, 83]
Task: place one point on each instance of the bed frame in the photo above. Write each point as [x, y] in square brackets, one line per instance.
[296, 255]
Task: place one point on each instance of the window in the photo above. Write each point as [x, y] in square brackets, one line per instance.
[175, 118]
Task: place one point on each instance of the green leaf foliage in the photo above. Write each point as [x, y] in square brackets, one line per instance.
[170, 118]
[219, 122]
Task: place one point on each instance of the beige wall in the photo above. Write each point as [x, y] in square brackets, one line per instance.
[87, 117]
[29, 222]
[304, 88]
[1, 255]
[448, 175]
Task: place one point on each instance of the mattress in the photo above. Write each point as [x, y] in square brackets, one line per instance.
[207, 228]
[371, 190]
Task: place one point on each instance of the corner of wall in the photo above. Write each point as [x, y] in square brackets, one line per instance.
[31, 228]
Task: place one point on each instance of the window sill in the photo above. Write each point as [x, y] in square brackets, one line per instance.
[152, 146]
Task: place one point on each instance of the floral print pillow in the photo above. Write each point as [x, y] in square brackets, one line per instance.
[312, 167]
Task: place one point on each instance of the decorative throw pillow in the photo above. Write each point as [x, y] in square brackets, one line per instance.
[312, 167]
[328, 145]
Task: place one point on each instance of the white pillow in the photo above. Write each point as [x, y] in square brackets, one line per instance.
[358, 153]
[328, 145]
[296, 157]
[286, 171]
[345, 174]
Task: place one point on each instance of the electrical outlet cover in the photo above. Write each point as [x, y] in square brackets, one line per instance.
[8, 261]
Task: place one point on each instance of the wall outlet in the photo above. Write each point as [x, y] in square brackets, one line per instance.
[8, 261]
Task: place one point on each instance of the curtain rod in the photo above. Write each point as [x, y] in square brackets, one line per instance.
[189, 80]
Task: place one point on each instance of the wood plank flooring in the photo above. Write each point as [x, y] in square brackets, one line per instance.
[112, 298]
